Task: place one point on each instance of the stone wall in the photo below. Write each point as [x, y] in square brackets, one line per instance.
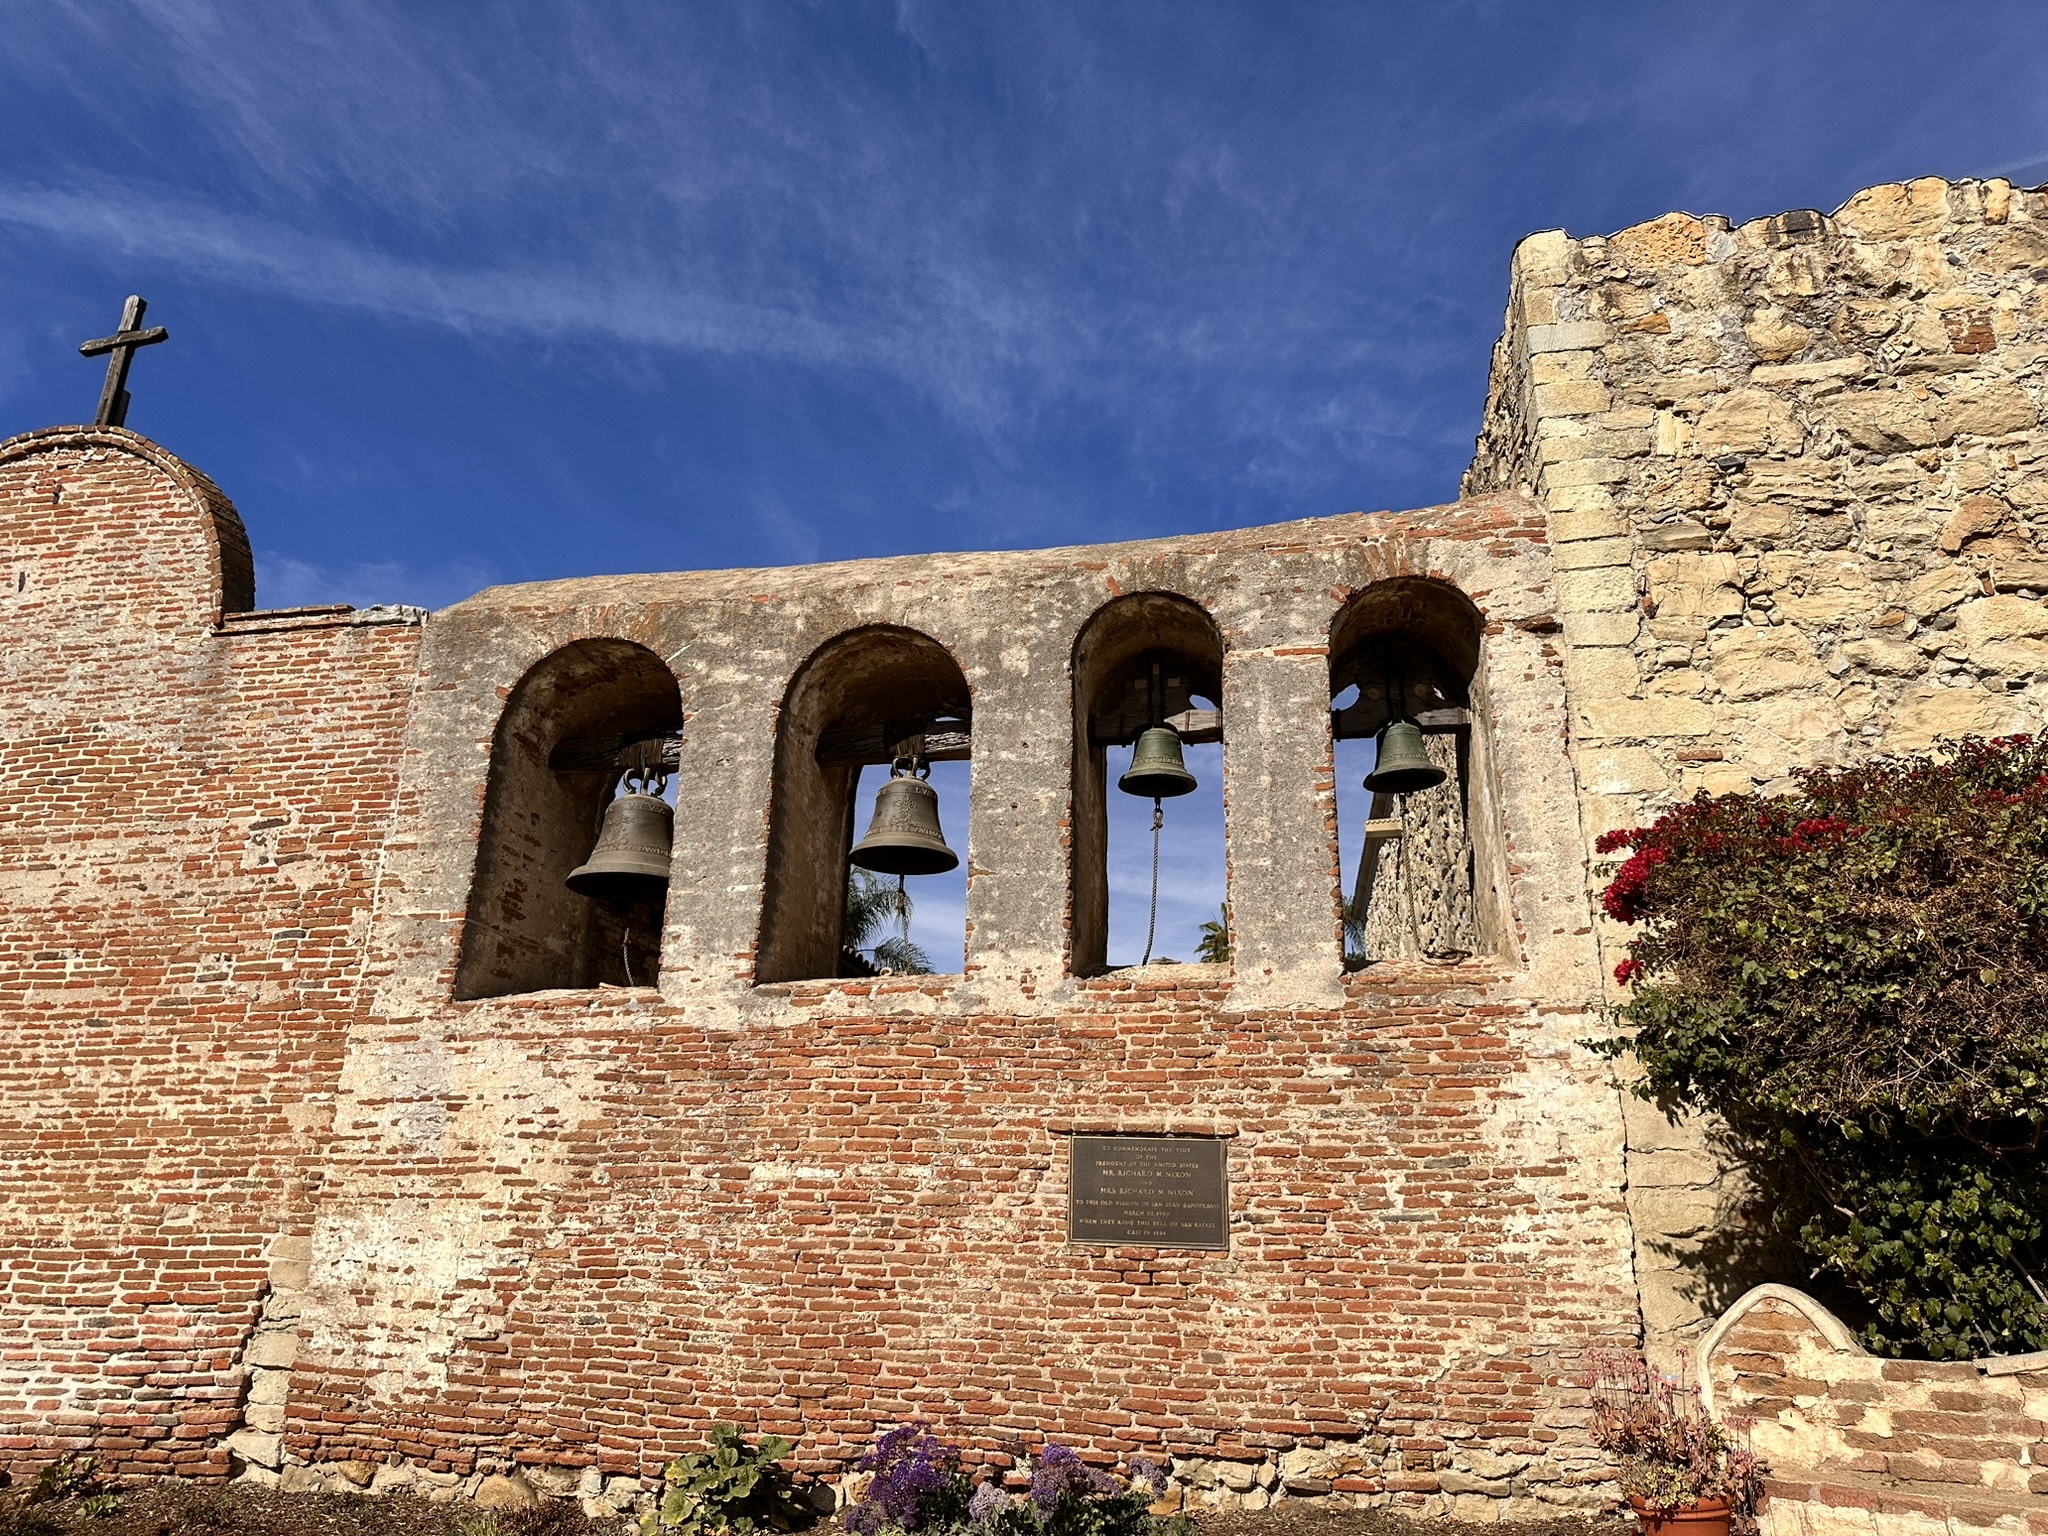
[1862, 1446]
[1793, 473]
[192, 806]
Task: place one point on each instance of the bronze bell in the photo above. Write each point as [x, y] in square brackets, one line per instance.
[630, 859]
[1401, 765]
[1156, 771]
[904, 836]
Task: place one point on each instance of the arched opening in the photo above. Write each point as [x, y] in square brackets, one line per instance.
[866, 700]
[1143, 661]
[579, 722]
[1407, 650]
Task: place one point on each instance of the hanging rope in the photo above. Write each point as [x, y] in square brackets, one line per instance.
[1152, 915]
[626, 952]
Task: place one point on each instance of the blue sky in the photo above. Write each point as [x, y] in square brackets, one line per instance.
[476, 293]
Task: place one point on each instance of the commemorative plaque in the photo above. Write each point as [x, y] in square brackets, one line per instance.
[1148, 1191]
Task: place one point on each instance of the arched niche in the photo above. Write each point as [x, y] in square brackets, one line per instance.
[862, 698]
[1140, 654]
[578, 719]
[1417, 885]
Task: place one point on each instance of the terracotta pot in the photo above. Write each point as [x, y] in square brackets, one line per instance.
[1709, 1517]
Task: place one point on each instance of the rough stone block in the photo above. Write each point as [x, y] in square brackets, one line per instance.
[1827, 370]
[1625, 771]
[1992, 619]
[1677, 239]
[1570, 399]
[1941, 589]
[1695, 586]
[2020, 575]
[511, 1492]
[1774, 335]
[1752, 662]
[1975, 517]
[1591, 554]
[1570, 336]
[1748, 421]
[1608, 587]
[1897, 211]
[1887, 421]
[1647, 719]
[1988, 410]
[256, 1448]
[1571, 527]
[1932, 713]
[272, 1349]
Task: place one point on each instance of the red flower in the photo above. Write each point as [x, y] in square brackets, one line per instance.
[1628, 971]
[1625, 897]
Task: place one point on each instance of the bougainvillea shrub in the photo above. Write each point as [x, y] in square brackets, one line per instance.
[1855, 977]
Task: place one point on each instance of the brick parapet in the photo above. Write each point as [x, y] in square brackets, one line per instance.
[189, 829]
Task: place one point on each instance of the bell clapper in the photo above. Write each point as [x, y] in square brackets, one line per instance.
[1152, 913]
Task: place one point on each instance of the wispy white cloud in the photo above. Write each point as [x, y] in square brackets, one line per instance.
[719, 184]
[286, 581]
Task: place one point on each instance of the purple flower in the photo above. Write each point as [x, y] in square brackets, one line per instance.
[1059, 1470]
[988, 1498]
[1147, 1471]
[910, 1464]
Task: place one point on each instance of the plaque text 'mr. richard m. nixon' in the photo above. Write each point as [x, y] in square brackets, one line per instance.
[1149, 1191]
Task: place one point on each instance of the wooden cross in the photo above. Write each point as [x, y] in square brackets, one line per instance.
[122, 344]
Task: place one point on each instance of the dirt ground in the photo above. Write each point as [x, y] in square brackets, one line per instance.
[175, 1509]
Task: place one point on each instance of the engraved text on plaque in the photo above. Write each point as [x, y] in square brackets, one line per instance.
[1149, 1191]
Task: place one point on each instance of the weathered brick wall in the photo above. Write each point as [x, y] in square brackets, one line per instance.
[1793, 473]
[191, 808]
[1875, 1447]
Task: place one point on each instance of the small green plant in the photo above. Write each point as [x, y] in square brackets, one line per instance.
[66, 1477]
[733, 1487]
[480, 1525]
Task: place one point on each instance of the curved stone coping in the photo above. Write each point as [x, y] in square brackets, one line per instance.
[1825, 1323]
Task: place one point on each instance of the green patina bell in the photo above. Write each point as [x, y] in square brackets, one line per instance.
[904, 836]
[630, 859]
[1156, 771]
[1401, 764]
